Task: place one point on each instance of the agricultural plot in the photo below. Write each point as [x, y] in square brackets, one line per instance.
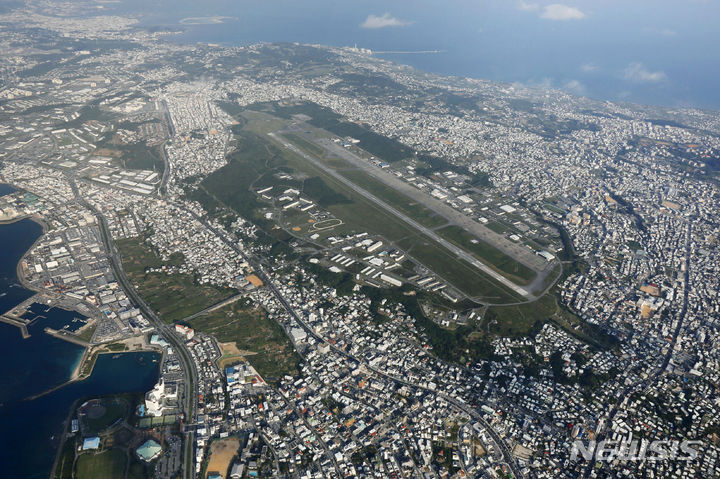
[173, 296]
[260, 339]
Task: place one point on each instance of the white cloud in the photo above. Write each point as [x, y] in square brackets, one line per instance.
[544, 83]
[528, 7]
[665, 32]
[637, 72]
[589, 67]
[574, 86]
[557, 11]
[384, 21]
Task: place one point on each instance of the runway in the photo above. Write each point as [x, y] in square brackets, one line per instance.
[426, 231]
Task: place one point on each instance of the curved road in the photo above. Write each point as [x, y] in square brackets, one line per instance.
[509, 460]
[160, 326]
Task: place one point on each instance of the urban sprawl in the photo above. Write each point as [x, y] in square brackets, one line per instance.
[597, 322]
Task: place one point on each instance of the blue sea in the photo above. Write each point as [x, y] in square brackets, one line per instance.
[659, 52]
[31, 428]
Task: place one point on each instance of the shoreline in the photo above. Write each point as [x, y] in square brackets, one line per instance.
[25, 284]
[19, 272]
[90, 356]
[86, 363]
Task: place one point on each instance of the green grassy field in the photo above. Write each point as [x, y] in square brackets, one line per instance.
[458, 272]
[87, 333]
[115, 409]
[142, 157]
[251, 330]
[497, 227]
[136, 471]
[303, 144]
[383, 147]
[172, 296]
[519, 320]
[257, 161]
[108, 464]
[488, 254]
[407, 205]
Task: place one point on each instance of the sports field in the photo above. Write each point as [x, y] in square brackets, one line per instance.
[108, 464]
[104, 414]
[222, 452]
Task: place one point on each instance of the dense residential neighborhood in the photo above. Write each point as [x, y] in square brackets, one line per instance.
[389, 366]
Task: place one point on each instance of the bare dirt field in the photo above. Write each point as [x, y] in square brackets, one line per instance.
[221, 455]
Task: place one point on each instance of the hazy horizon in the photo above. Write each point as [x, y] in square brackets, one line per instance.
[647, 52]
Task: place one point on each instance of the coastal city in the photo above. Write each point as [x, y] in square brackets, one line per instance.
[345, 267]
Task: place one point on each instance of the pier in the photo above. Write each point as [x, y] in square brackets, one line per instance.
[66, 337]
[16, 321]
[14, 316]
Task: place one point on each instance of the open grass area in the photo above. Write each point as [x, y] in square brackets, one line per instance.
[304, 145]
[389, 195]
[108, 464]
[488, 254]
[526, 319]
[137, 156]
[257, 162]
[87, 332]
[519, 320]
[410, 207]
[499, 228]
[104, 415]
[172, 296]
[261, 123]
[458, 272]
[267, 347]
[381, 146]
[137, 471]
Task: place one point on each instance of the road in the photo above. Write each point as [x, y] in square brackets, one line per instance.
[509, 460]
[168, 333]
[212, 308]
[459, 252]
[645, 383]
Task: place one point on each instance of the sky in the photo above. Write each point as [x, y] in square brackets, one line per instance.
[647, 51]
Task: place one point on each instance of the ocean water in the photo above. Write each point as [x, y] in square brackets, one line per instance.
[15, 239]
[31, 428]
[646, 51]
[55, 318]
[5, 189]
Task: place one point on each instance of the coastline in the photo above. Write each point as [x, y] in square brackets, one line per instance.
[86, 364]
[20, 273]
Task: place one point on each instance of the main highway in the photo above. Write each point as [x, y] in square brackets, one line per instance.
[255, 264]
[166, 330]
